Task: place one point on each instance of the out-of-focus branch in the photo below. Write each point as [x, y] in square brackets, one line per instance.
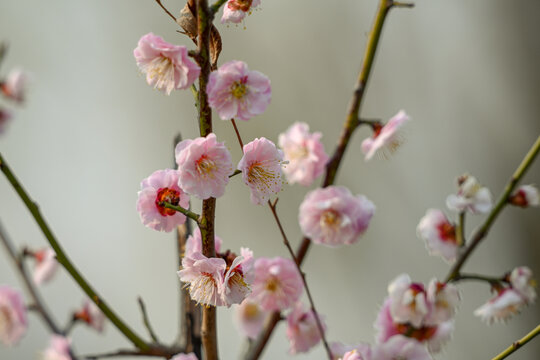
[62, 258]
[351, 123]
[517, 344]
[146, 321]
[153, 351]
[481, 233]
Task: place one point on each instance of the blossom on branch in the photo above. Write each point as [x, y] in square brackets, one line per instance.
[385, 137]
[402, 348]
[443, 300]
[302, 330]
[91, 315]
[239, 277]
[439, 234]
[167, 66]
[304, 153]
[59, 349]
[525, 196]
[236, 92]
[235, 11]
[261, 169]
[408, 301]
[190, 356]
[13, 321]
[471, 196]
[45, 266]
[249, 318]
[14, 87]
[339, 351]
[277, 284]
[332, 216]
[204, 166]
[522, 281]
[161, 186]
[194, 242]
[506, 303]
[355, 355]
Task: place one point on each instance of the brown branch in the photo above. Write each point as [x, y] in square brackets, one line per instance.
[165, 9]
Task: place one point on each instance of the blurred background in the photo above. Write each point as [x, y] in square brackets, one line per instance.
[92, 129]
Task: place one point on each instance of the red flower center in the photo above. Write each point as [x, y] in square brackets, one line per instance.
[243, 5]
[447, 232]
[167, 195]
[422, 334]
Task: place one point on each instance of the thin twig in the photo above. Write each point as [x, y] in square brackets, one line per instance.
[63, 259]
[190, 214]
[517, 344]
[237, 134]
[303, 275]
[146, 321]
[154, 351]
[481, 233]
[460, 231]
[165, 9]
[489, 279]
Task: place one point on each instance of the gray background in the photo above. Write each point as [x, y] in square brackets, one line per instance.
[91, 130]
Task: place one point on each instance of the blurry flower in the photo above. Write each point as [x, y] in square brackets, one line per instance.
[204, 277]
[13, 322]
[235, 11]
[439, 234]
[525, 196]
[204, 166]
[190, 356]
[332, 216]
[443, 300]
[277, 284]
[304, 153]
[506, 303]
[249, 318]
[522, 281]
[92, 315]
[355, 355]
[238, 278]
[402, 348]
[5, 116]
[15, 85]
[236, 92]
[194, 242]
[161, 186]
[167, 66]
[45, 266]
[302, 330]
[339, 350]
[471, 196]
[408, 303]
[58, 349]
[261, 169]
[385, 138]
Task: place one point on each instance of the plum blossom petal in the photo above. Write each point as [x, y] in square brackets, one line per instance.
[385, 138]
[167, 66]
[249, 318]
[235, 11]
[236, 92]
[332, 216]
[190, 356]
[525, 196]
[91, 315]
[261, 169]
[500, 308]
[471, 197]
[339, 350]
[277, 284]
[408, 301]
[161, 186]
[5, 116]
[58, 349]
[238, 278]
[402, 348]
[523, 283]
[443, 299]
[194, 242]
[302, 330]
[204, 166]
[439, 235]
[45, 266]
[14, 87]
[304, 153]
[13, 321]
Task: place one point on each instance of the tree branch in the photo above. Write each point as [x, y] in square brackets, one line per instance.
[146, 321]
[516, 345]
[189, 214]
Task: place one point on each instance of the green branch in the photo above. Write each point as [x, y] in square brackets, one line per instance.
[215, 7]
[516, 345]
[190, 214]
[62, 258]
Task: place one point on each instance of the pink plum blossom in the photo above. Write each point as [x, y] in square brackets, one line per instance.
[525, 196]
[59, 349]
[523, 283]
[235, 11]
[261, 169]
[506, 303]
[443, 299]
[277, 284]
[204, 166]
[238, 278]
[439, 234]
[194, 242]
[354, 355]
[13, 322]
[332, 216]
[167, 66]
[161, 186]
[190, 356]
[471, 197]
[236, 92]
[302, 330]
[249, 318]
[91, 315]
[402, 348]
[45, 266]
[339, 350]
[5, 116]
[305, 154]
[408, 303]
[14, 87]
[385, 138]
